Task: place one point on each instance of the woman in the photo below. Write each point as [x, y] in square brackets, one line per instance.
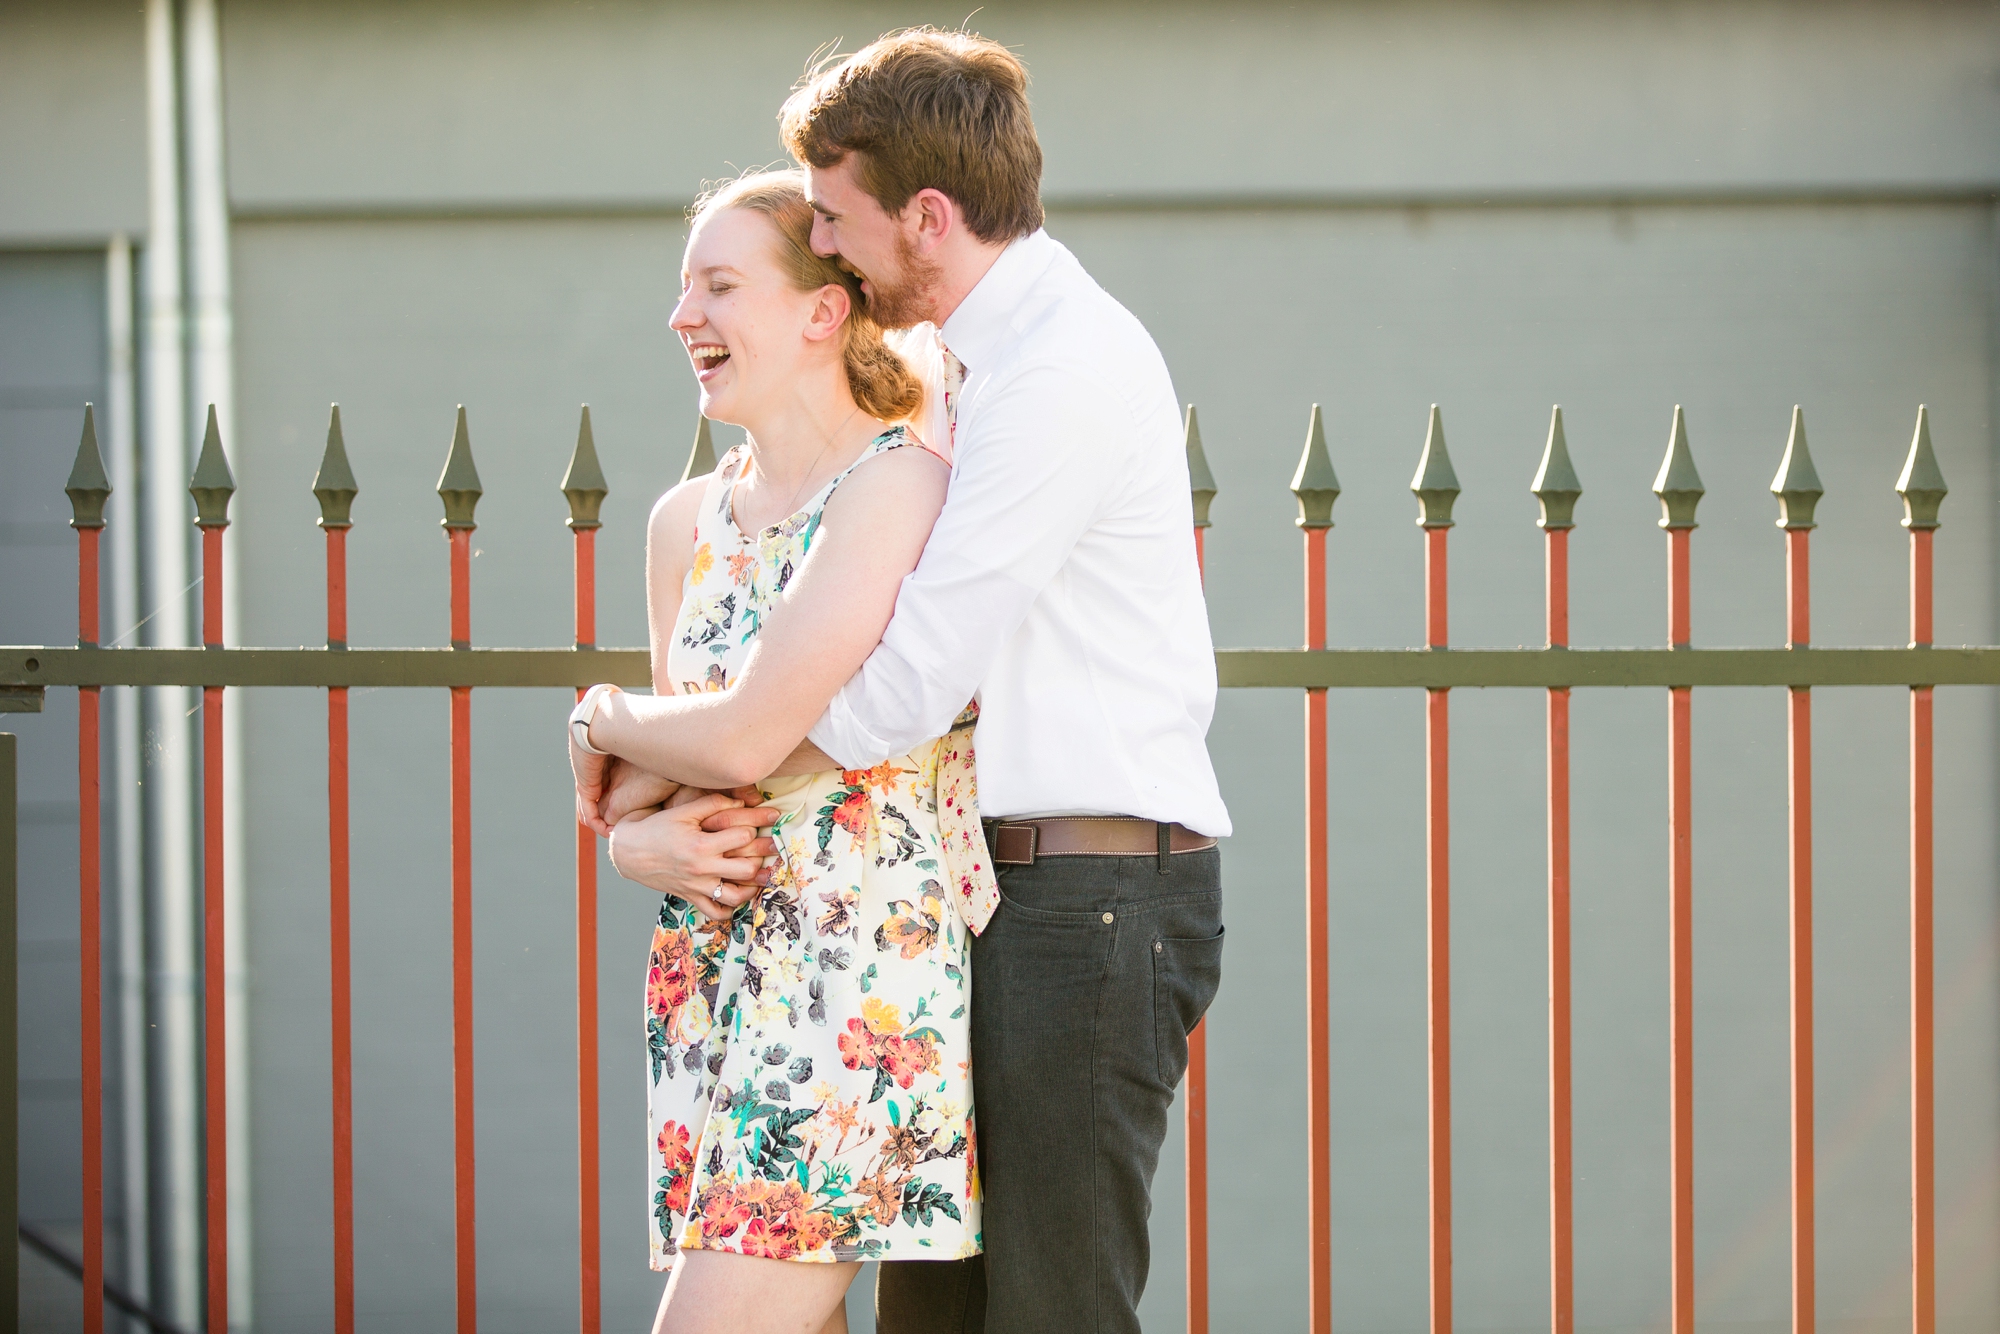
[809, 1054]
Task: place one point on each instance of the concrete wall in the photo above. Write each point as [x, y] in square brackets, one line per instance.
[398, 106]
[72, 121]
[1735, 207]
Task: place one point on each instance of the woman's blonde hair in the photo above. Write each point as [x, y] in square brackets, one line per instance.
[881, 383]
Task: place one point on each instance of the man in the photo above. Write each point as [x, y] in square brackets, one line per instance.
[1060, 589]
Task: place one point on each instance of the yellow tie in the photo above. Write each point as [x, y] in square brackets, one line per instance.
[954, 384]
[966, 860]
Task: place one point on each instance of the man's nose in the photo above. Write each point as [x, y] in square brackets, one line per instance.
[822, 240]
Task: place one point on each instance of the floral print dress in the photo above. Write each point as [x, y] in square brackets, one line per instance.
[810, 1059]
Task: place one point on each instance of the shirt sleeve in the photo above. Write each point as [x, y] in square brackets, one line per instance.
[1042, 457]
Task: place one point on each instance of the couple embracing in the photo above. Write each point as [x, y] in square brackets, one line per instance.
[923, 780]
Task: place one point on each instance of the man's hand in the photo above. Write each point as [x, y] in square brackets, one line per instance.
[629, 790]
[705, 850]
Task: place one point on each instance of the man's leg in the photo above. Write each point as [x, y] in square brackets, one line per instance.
[1084, 986]
[931, 1296]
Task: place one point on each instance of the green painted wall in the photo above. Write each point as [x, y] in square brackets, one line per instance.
[1734, 207]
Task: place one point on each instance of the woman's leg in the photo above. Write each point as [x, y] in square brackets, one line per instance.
[720, 1292]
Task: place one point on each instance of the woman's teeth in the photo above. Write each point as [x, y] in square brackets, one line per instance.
[707, 356]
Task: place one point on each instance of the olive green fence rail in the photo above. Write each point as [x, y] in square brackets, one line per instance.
[26, 672]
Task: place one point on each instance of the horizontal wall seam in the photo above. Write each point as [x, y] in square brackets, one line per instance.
[1248, 202]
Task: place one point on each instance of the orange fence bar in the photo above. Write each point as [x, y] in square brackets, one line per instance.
[211, 488]
[1436, 488]
[334, 487]
[1557, 488]
[1798, 490]
[1679, 489]
[88, 488]
[584, 487]
[1201, 489]
[1316, 488]
[459, 487]
[1923, 490]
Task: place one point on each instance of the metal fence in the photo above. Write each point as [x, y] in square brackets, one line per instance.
[1436, 668]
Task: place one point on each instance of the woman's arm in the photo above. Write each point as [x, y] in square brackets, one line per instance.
[606, 788]
[700, 846]
[670, 534]
[831, 616]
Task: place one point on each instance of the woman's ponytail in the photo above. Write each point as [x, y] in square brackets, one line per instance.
[881, 381]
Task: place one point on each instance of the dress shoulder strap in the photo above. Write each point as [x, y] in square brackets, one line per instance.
[894, 438]
[713, 517]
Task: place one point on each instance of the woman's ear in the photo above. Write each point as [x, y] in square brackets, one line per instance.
[829, 312]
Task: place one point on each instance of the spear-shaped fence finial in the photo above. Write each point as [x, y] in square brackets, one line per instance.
[1201, 482]
[1797, 484]
[212, 484]
[583, 484]
[1678, 485]
[333, 485]
[1922, 483]
[1556, 484]
[459, 485]
[88, 485]
[1313, 484]
[1436, 484]
[701, 458]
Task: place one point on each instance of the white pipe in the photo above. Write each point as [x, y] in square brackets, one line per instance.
[128, 864]
[211, 375]
[175, 1092]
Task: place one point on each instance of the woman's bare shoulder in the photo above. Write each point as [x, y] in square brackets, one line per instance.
[909, 482]
[672, 523]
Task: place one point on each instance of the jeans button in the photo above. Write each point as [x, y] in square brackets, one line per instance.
[1109, 919]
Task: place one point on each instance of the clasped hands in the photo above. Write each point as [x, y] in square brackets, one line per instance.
[695, 844]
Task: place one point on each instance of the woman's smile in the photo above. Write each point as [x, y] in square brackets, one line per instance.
[708, 359]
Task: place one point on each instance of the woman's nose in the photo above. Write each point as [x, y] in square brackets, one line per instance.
[685, 316]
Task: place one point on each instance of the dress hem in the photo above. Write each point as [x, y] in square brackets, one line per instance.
[839, 1255]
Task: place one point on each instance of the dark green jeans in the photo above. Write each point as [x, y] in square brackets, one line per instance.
[1084, 987]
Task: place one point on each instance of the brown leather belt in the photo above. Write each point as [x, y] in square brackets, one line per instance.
[1022, 842]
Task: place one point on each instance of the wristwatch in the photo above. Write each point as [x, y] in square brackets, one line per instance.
[580, 717]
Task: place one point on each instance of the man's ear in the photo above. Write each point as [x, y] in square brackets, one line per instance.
[934, 215]
[830, 311]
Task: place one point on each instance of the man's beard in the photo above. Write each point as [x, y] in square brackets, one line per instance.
[912, 297]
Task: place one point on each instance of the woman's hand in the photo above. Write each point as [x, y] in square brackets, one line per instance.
[590, 772]
[703, 847]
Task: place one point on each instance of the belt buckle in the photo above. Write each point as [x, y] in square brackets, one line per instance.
[1013, 844]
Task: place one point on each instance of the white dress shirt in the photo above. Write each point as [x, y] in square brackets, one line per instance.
[1059, 586]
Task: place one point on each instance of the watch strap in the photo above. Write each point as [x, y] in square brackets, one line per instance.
[584, 713]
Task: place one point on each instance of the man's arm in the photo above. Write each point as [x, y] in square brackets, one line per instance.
[1050, 450]
[806, 758]
[832, 613]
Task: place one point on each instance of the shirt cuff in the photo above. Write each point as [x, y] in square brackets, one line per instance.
[845, 742]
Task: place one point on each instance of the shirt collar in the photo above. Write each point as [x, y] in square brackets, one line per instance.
[976, 328]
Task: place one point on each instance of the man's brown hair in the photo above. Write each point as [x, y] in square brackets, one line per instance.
[927, 109]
